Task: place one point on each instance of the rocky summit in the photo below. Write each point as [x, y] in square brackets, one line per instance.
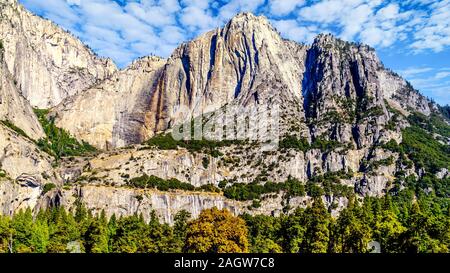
[74, 128]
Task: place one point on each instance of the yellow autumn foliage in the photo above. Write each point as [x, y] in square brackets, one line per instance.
[217, 231]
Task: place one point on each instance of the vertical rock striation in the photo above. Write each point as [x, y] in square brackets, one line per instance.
[48, 63]
[14, 108]
[114, 113]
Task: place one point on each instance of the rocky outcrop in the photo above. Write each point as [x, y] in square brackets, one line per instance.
[15, 196]
[114, 113]
[401, 95]
[101, 182]
[242, 63]
[334, 95]
[26, 170]
[123, 201]
[332, 90]
[14, 108]
[117, 168]
[20, 156]
[246, 63]
[48, 63]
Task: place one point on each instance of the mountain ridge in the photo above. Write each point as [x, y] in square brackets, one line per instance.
[343, 119]
[223, 66]
[45, 58]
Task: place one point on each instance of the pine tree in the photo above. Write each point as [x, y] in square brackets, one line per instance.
[388, 228]
[317, 232]
[129, 232]
[350, 233]
[112, 228]
[96, 236]
[40, 237]
[23, 225]
[264, 233]
[63, 229]
[294, 231]
[7, 233]
[180, 229]
[415, 239]
[82, 216]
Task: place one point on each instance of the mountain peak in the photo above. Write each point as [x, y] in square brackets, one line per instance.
[247, 16]
[324, 37]
[336, 113]
[146, 61]
[8, 1]
[61, 55]
[247, 21]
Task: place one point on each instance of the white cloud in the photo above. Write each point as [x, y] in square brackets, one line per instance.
[201, 4]
[435, 34]
[197, 18]
[438, 89]
[73, 2]
[283, 7]
[291, 30]
[57, 10]
[430, 83]
[153, 15]
[373, 36]
[389, 12]
[172, 35]
[350, 16]
[230, 9]
[376, 23]
[412, 71]
[323, 12]
[354, 20]
[141, 27]
[441, 75]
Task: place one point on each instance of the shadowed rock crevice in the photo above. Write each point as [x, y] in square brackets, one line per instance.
[212, 55]
[186, 67]
[336, 100]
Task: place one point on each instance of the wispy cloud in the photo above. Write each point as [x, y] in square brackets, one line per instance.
[434, 32]
[442, 75]
[432, 82]
[284, 7]
[127, 29]
[142, 27]
[412, 71]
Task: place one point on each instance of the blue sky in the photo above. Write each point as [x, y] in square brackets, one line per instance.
[412, 37]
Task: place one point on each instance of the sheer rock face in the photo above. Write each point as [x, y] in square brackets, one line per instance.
[19, 156]
[401, 95]
[14, 107]
[47, 63]
[124, 202]
[16, 197]
[348, 92]
[27, 170]
[188, 167]
[245, 63]
[333, 89]
[107, 174]
[115, 112]
[330, 90]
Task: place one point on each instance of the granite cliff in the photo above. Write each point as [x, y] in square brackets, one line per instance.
[340, 107]
[48, 63]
